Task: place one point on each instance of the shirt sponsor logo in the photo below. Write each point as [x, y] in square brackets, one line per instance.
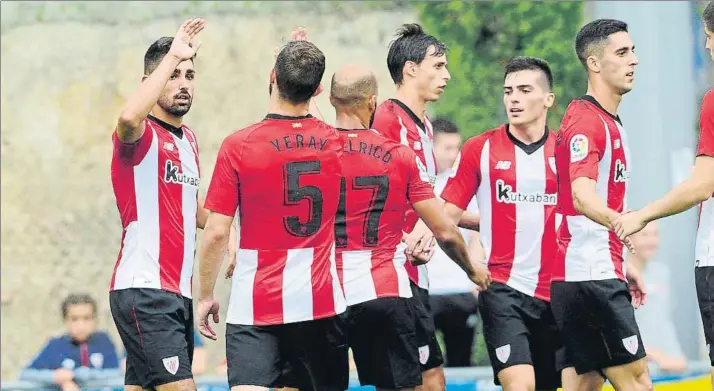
[505, 194]
[621, 173]
[173, 174]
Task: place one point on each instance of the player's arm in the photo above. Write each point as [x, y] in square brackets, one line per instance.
[131, 118]
[449, 238]
[202, 213]
[588, 203]
[694, 190]
[586, 147]
[430, 210]
[700, 185]
[222, 202]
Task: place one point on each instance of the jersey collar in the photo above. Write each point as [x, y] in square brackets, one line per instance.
[528, 148]
[594, 101]
[178, 132]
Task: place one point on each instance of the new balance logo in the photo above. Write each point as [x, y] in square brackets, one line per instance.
[621, 173]
[172, 175]
[503, 165]
[505, 193]
[168, 146]
[616, 144]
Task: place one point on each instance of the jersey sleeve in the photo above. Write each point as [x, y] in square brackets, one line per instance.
[465, 176]
[585, 138]
[386, 123]
[418, 186]
[223, 192]
[706, 126]
[133, 153]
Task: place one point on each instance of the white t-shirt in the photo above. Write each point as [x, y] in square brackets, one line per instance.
[445, 276]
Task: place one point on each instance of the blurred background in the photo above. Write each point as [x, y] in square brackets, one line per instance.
[67, 68]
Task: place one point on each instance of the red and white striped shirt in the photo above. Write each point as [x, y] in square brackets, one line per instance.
[156, 182]
[395, 121]
[382, 179]
[515, 188]
[704, 251]
[592, 143]
[284, 174]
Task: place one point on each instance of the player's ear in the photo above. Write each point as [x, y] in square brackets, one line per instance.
[144, 78]
[549, 99]
[332, 101]
[409, 68]
[272, 76]
[593, 64]
[373, 103]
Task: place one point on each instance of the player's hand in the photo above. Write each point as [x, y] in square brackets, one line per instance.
[628, 224]
[419, 239]
[423, 257]
[63, 376]
[481, 276]
[205, 308]
[636, 285]
[185, 44]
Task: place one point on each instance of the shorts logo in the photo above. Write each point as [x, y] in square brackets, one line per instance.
[503, 353]
[171, 364]
[631, 344]
[423, 354]
[578, 148]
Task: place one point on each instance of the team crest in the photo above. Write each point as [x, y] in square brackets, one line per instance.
[97, 360]
[68, 363]
[171, 364]
[503, 353]
[631, 344]
[578, 148]
[423, 354]
[551, 163]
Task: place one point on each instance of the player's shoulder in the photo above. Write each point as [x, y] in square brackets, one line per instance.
[387, 111]
[477, 142]
[581, 115]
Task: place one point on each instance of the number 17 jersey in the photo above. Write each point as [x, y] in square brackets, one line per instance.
[381, 181]
[283, 174]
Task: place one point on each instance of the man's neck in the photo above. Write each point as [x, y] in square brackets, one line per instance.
[608, 99]
[530, 132]
[161, 114]
[281, 107]
[350, 121]
[413, 101]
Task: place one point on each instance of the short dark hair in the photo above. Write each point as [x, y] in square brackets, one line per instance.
[518, 64]
[78, 298]
[592, 36]
[411, 45]
[156, 52]
[444, 125]
[298, 71]
[708, 16]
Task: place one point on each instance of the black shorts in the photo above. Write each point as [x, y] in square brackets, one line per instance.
[456, 316]
[430, 356]
[156, 328]
[311, 355]
[520, 329]
[597, 324]
[704, 280]
[382, 336]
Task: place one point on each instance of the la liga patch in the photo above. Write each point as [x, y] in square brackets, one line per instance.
[578, 148]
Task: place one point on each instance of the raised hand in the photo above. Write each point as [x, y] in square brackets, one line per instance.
[185, 44]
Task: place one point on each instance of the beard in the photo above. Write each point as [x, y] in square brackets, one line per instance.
[176, 109]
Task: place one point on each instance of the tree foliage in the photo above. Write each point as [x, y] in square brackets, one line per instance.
[483, 36]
